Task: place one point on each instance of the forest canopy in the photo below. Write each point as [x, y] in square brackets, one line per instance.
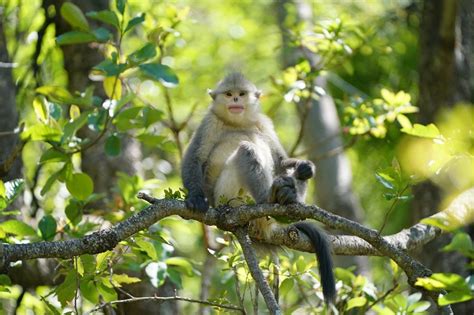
[100, 100]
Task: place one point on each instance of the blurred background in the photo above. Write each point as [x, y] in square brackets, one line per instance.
[100, 99]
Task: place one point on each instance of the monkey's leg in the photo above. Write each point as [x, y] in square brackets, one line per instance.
[255, 170]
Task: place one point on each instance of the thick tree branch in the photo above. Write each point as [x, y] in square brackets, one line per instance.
[365, 241]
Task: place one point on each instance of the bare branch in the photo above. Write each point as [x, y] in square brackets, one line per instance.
[161, 299]
[252, 263]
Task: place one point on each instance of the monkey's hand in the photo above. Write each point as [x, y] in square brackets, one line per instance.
[284, 190]
[197, 202]
[304, 170]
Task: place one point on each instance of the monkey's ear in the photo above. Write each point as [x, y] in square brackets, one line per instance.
[211, 93]
[258, 93]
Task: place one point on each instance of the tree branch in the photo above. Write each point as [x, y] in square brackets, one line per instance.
[365, 241]
[252, 263]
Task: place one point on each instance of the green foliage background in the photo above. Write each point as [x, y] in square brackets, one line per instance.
[186, 47]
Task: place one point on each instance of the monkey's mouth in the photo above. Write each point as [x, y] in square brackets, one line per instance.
[235, 109]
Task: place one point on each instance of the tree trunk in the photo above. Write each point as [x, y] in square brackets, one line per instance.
[78, 61]
[446, 39]
[321, 135]
[10, 159]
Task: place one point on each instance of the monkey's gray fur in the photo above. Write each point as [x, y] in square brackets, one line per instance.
[236, 149]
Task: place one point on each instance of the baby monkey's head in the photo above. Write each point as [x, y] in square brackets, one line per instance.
[235, 100]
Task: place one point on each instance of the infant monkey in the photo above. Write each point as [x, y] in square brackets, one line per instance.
[236, 149]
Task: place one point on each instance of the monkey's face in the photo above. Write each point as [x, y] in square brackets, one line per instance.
[236, 105]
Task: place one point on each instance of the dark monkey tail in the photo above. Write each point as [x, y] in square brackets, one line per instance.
[323, 253]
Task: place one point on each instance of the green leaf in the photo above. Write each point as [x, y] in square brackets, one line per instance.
[120, 4]
[55, 93]
[110, 68]
[161, 73]
[40, 132]
[88, 261]
[73, 126]
[356, 302]
[52, 155]
[148, 248]
[102, 34]
[50, 181]
[151, 140]
[75, 37]
[105, 16]
[135, 21]
[113, 145]
[404, 121]
[74, 16]
[286, 286]
[430, 131]
[385, 180]
[150, 116]
[124, 279]
[454, 297]
[418, 307]
[143, 54]
[17, 228]
[74, 212]
[182, 263]
[40, 106]
[107, 293]
[47, 227]
[2, 189]
[67, 290]
[80, 185]
[89, 291]
[461, 242]
[175, 277]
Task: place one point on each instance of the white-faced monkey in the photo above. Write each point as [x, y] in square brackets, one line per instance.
[236, 149]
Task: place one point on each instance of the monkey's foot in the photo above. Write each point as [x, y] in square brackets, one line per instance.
[284, 190]
[197, 203]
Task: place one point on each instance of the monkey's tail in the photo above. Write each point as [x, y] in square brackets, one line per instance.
[323, 254]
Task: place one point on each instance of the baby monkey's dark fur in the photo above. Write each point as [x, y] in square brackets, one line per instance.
[236, 149]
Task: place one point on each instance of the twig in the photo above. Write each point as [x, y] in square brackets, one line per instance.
[252, 263]
[164, 299]
[395, 286]
[240, 297]
[387, 215]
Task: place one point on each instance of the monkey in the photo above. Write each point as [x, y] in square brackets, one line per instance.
[236, 149]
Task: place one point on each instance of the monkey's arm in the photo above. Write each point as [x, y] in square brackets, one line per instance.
[192, 172]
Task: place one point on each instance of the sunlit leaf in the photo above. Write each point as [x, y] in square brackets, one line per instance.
[181, 262]
[105, 16]
[16, 227]
[74, 16]
[356, 302]
[113, 87]
[430, 131]
[124, 279]
[455, 297]
[148, 248]
[80, 185]
[286, 286]
[89, 290]
[53, 155]
[41, 108]
[385, 180]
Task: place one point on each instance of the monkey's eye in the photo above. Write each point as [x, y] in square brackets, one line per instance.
[228, 94]
[242, 93]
